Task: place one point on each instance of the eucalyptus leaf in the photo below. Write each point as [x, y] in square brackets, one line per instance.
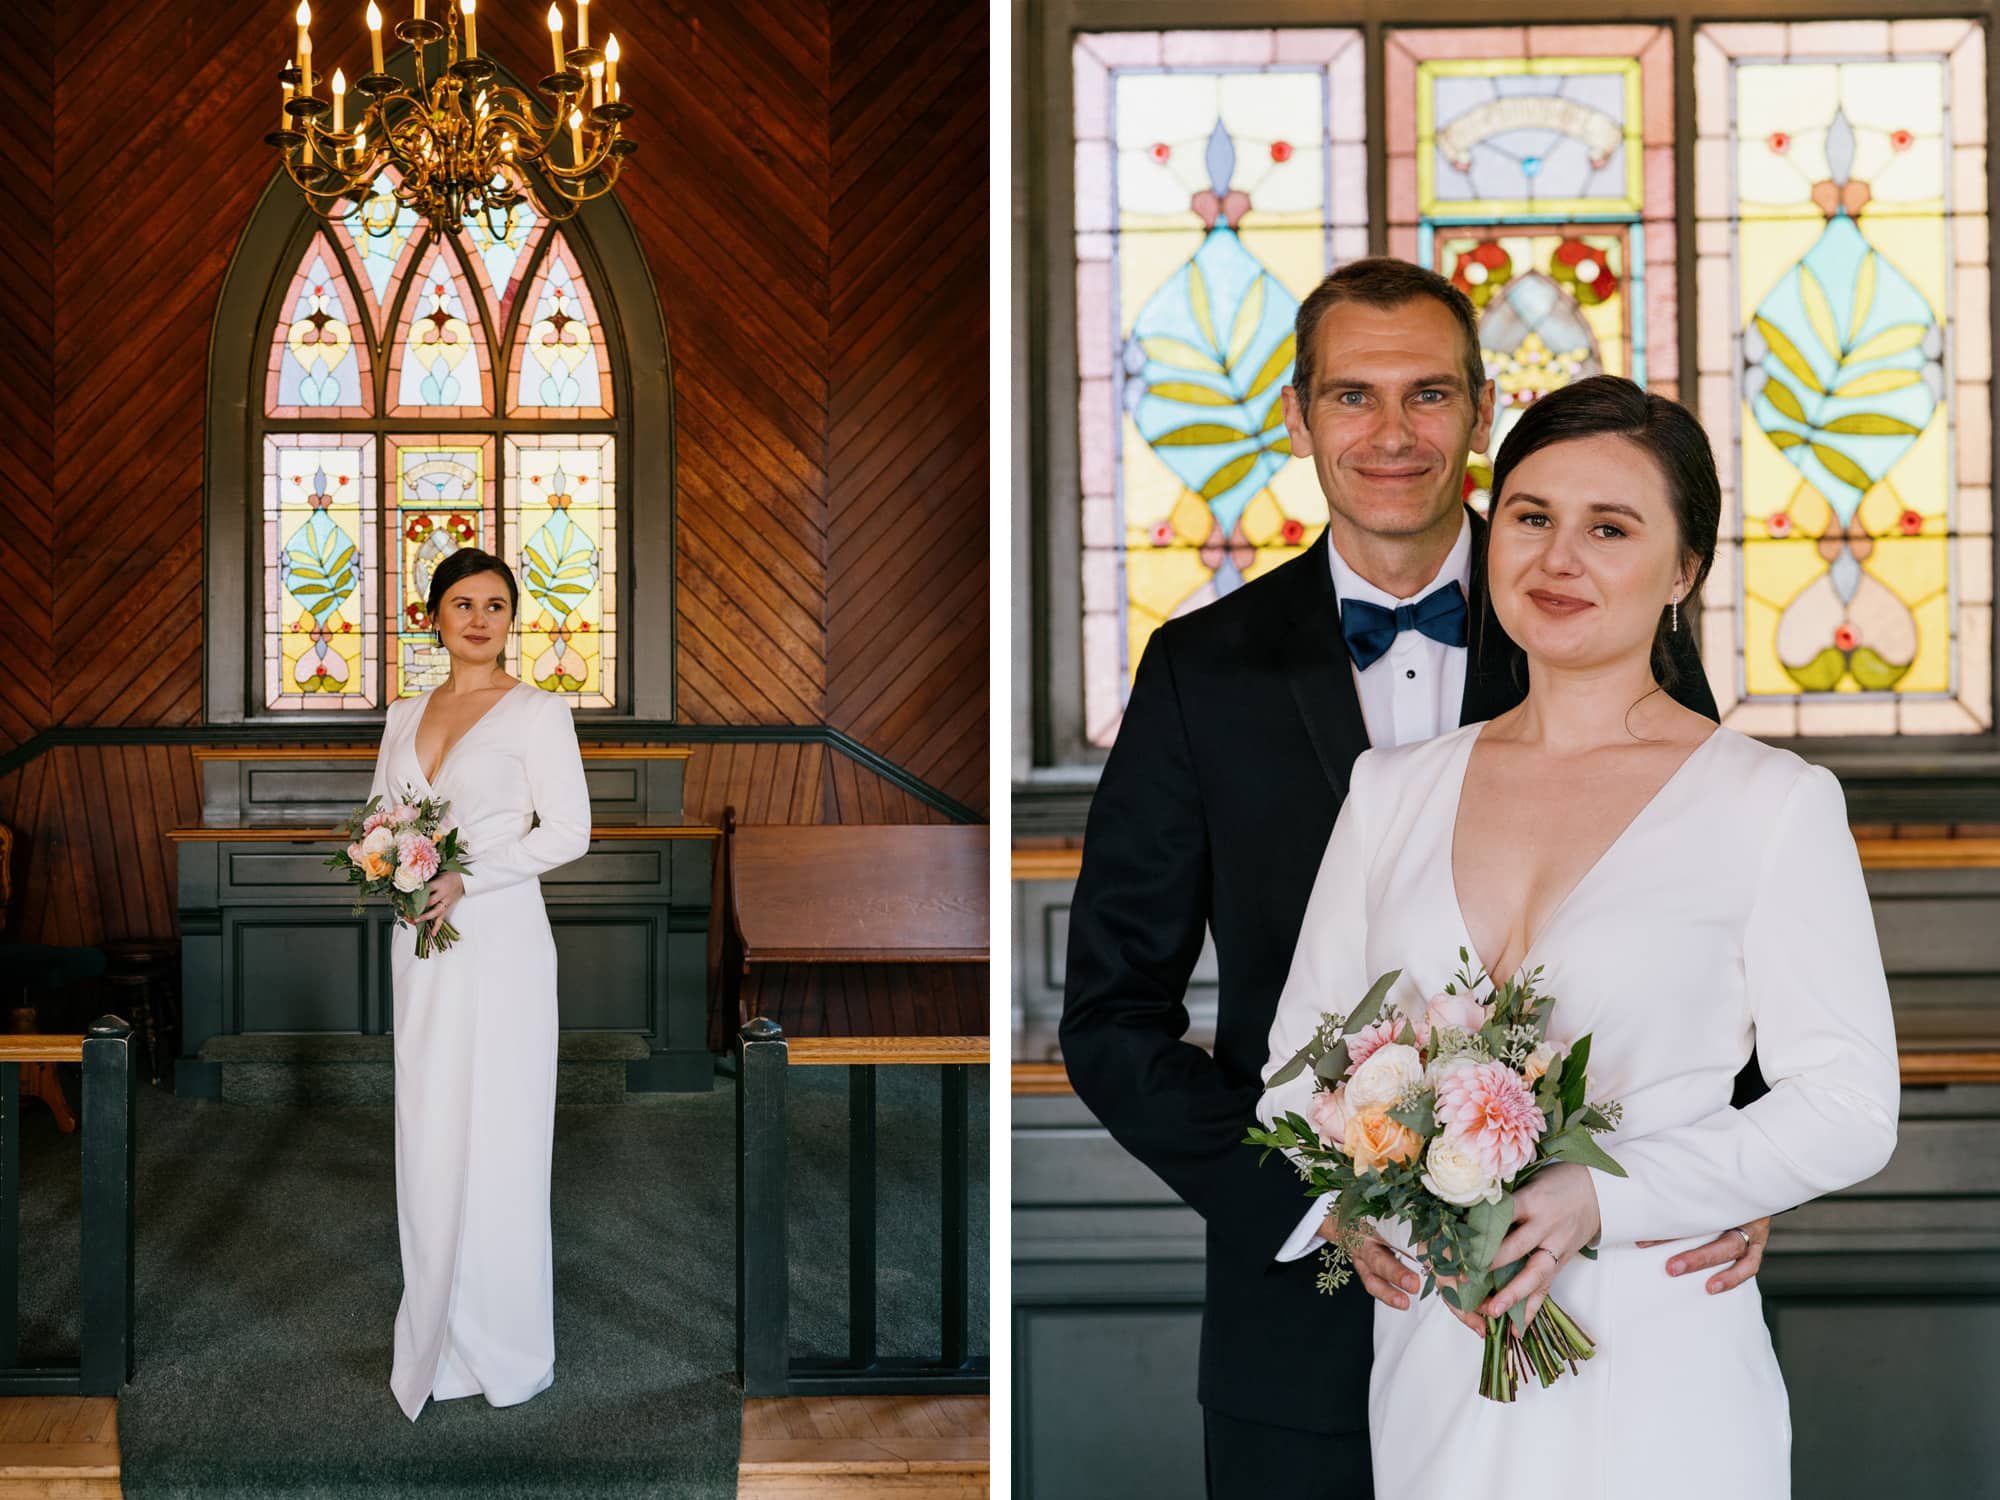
[1575, 1145]
[1333, 1065]
[1487, 1224]
[1291, 1069]
[1371, 1004]
[1420, 1116]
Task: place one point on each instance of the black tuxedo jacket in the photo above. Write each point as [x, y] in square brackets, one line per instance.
[1214, 810]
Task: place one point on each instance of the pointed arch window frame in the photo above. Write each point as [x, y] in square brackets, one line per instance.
[634, 363]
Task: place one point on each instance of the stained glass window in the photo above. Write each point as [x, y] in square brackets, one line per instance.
[557, 363]
[1533, 165]
[1844, 363]
[356, 521]
[320, 638]
[318, 368]
[1219, 176]
[561, 522]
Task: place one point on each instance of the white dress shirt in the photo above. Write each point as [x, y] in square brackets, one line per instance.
[1411, 692]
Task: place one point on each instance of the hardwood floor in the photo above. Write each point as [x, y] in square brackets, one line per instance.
[822, 1447]
[59, 1448]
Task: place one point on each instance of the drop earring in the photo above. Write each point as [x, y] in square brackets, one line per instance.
[1675, 628]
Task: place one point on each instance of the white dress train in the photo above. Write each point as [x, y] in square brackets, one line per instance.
[1730, 912]
[475, 1044]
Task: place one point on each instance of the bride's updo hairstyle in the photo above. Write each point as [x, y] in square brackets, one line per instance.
[1611, 406]
[461, 565]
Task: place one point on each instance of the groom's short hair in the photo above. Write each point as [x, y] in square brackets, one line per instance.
[1382, 281]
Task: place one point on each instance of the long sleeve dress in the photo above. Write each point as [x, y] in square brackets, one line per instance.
[1731, 911]
[475, 1043]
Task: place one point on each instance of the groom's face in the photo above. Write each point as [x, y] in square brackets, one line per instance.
[1391, 419]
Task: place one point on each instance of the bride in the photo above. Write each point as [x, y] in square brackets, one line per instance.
[1688, 893]
[475, 1025]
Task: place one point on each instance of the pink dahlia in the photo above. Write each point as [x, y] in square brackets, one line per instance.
[1368, 1038]
[418, 855]
[1488, 1111]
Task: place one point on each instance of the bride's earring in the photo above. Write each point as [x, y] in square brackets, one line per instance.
[1675, 629]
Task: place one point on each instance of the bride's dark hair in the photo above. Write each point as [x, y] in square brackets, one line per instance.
[467, 562]
[1610, 406]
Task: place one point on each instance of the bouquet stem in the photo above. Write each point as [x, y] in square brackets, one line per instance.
[427, 943]
[1552, 1343]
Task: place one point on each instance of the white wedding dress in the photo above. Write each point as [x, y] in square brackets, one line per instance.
[475, 1034]
[1730, 911]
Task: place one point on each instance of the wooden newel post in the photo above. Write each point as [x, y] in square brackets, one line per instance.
[762, 1288]
[108, 1097]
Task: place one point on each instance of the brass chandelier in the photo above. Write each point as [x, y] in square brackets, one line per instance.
[461, 143]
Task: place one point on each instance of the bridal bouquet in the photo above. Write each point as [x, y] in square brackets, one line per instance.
[394, 851]
[1435, 1119]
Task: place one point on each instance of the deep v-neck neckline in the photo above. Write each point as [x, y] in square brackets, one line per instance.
[430, 777]
[1556, 911]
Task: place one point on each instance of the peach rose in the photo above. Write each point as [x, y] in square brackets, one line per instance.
[1328, 1114]
[1374, 1139]
[375, 866]
[1539, 1060]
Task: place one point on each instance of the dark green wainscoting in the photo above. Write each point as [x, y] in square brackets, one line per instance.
[1883, 1301]
[271, 947]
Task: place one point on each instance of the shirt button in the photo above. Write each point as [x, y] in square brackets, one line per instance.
[1410, 673]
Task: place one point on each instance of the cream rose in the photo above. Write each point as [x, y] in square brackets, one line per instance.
[1457, 1176]
[1389, 1072]
[408, 879]
[378, 841]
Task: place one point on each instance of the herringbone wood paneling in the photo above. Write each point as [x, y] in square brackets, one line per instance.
[831, 563]
[907, 576]
[27, 272]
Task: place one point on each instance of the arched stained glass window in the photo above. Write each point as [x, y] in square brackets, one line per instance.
[383, 316]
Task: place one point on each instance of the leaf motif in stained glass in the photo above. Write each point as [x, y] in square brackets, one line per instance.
[560, 533]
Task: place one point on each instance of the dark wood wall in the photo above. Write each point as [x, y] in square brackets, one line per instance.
[811, 196]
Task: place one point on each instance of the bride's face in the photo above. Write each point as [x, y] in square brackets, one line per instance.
[474, 617]
[1585, 553]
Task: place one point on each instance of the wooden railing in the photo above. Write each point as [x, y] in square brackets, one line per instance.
[764, 1360]
[105, 1362]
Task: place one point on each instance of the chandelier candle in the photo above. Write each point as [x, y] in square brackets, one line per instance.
[464, 145]
[583, 23]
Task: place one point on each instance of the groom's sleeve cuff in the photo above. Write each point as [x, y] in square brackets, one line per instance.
[1307, 1234]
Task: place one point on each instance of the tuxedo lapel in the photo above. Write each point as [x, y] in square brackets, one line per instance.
[1496, 675]
[1313, 657]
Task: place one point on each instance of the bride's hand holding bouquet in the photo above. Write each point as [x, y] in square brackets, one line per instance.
[398, 851]
[1457, 1121]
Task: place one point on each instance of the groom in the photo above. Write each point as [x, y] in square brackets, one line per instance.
[1214, 810]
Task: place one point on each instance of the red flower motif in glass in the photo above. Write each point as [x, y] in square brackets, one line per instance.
[1778, 141]
[1281, 151]
[1163, 534]
[1845, 638]
[1910, 523]
[1161, 151]
[1292, 532]
[1779, 525]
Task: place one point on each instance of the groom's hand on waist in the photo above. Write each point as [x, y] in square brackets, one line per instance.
[1740, 1252]
[1383, 1273]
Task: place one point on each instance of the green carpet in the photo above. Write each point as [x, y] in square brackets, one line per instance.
[268, 1280]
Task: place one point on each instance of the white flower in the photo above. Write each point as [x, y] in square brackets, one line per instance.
[407, 879]
[1539, 1060]
[1457, 1175]
[379, 841]
[1389, 1072]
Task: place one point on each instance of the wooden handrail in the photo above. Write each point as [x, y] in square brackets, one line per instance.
[367, 752]
[38, 1047]
[1038, 862]
[283, 835]
[829, 1051]
[1919, 1070]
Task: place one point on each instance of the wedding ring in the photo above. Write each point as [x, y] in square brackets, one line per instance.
[1748, 1243]
[1550, 1254]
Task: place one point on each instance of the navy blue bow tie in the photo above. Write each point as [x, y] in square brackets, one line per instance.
[1371, 629]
